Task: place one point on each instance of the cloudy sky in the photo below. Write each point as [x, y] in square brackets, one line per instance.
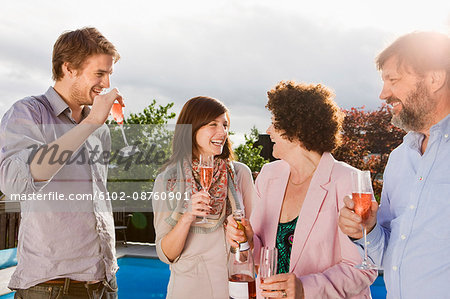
[233, 50]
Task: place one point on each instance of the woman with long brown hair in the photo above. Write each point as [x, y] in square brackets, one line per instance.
[197, 253]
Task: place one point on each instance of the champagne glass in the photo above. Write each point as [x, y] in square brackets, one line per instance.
[362, 195]
[268, 262]
[117, 114]
[206, 165]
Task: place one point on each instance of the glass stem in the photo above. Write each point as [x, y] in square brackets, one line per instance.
[365, 243]
[123, 134]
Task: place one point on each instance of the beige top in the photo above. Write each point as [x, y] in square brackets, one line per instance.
[201, 269]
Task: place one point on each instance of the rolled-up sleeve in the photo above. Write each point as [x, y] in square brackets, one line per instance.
[20, 137]
[161, 212]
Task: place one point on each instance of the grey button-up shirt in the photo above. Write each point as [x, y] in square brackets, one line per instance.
[68, 237]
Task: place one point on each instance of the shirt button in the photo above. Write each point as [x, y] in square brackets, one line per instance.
[403, 237]
[412, 207]
[395, 268]
[446, 135]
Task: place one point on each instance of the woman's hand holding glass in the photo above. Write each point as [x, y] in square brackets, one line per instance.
[235, 236]
[198, 206]
[285, 285]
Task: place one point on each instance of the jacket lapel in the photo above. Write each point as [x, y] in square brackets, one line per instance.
[276, 188]
[315, 197]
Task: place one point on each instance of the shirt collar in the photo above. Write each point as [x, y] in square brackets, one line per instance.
[414, 139]
[442, 127]
[59, 105]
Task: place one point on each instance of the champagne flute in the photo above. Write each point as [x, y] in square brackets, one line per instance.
[362, 195]
[206, 165]
[117, 114]
[268, 262]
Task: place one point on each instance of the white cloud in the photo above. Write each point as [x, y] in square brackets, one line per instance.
[229, 49]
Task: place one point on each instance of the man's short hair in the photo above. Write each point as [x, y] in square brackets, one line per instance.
[420, 51]
[75, 47]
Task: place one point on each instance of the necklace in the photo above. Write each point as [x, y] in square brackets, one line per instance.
[301, 183]
[298, 184]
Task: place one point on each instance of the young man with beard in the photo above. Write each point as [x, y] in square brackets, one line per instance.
[66, 247]
[409, 233]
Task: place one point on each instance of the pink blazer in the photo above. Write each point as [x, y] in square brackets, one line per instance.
[322, 256]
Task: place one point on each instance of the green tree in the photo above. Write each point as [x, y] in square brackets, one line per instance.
[248, 154]
[152, 115]
[131, 178]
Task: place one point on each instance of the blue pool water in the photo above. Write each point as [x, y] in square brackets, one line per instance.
[148, 278]
[378, 289]
[142, 278]
[138, 278]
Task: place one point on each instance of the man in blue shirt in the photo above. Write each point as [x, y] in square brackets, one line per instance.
[409, 233]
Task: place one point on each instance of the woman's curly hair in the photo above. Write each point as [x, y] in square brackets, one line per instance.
[307, 113]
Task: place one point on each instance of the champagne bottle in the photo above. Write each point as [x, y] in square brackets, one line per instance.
[241, 268]
[238, 215]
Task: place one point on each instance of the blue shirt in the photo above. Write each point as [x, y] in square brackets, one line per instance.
[411, 240]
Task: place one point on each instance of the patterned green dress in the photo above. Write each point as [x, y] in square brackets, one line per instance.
[285, 239]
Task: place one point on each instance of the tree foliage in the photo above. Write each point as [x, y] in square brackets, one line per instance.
[368, 138]
[152, 115]
[143, 129]
[131, 178]
[249, 154]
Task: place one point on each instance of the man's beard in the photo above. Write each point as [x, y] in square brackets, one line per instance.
[417, 110]
[77, 95]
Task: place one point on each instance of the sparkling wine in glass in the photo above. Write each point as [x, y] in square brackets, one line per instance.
[117, 114]
[206, 165]
[362, 195]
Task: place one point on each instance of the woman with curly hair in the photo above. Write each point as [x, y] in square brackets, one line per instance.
[197, 252]
[300, 198]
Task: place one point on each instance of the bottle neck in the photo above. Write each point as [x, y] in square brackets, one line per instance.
[244, 246]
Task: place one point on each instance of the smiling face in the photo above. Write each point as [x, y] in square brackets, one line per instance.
[282, 145]
[91, 79]
[412, 106]
[210, 138]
